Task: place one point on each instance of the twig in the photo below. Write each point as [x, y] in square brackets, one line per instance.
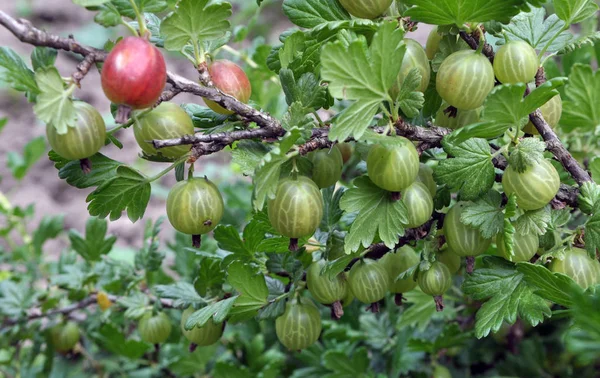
[37, 312]
[83, 68]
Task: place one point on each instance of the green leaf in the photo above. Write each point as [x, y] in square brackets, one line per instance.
[589, 198]
[252, 288]
[276, 306]
[49, 228]
[507, 295]
[33, 151]
[108, 16]
[210, 276]
[471, 170]
[531, 27]
[486, 214]
[555, 287]
[331, 208]
[459, 12]
[345, 365]
[583, 95]
[43, 57]
[218, 311]
[307, 90]
[15, 72]
[94, 244]
[313, 13]
[114, 341]
[337, 266]
[528, 152]
[182, 293]
[505, 107]
[378, 215]
[410, 99]
[128, 190]
[54, 104]
[421, 310]
[592, 235]
[582, 41]
[103, 169]
[355, 72]
[15, 299]
[229, 239]
[248, 154]
[151, 6]
[574, 11]
[195, 21]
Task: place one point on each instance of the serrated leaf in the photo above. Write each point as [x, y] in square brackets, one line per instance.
[507, 295]
[111, 339]
[574, 11]
[54, 104]
[307, 90]
[486, 214]
[103, 169]
[470, 170]
[43, 57]
[460, 12]
[15, 72]
[592, 235]
[218, 311]
[554, 287]
[533, 222]
[355, 72]
[313, 13]
[589, 198]
[527, 153]
[378, 215]
[94, 244]
[182, 293]
[128, 190]
[49, 228]
[583, 94]
[195, 21]
[410, 99]
[276, 306]
[252, 288]
[531, 27]
[331, 208]
[337, 266]
[32, 152]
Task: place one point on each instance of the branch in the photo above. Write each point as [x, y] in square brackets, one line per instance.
[37, 312]
[473, 43]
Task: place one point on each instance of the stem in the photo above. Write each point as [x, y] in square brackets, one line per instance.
[140, 18]
[169, 169]
[128, 26]
[319, 120]
[481, 41]
[198, 54]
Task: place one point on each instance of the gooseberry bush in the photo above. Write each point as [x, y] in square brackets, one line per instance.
[401, 210]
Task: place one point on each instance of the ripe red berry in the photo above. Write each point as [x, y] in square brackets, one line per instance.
[230, 79]
[134, 73]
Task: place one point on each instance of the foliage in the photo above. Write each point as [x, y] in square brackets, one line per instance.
[330, 78]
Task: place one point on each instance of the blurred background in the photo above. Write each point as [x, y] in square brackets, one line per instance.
[27, 176]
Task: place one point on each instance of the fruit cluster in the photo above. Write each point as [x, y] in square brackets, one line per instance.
[195, 206]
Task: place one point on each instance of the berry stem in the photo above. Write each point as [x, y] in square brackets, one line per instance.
[123, 113]
[398, 299]
[140, 18]
[439, 303]
[196, 241]
[470, 264]
[337, 310]
[86, 165]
